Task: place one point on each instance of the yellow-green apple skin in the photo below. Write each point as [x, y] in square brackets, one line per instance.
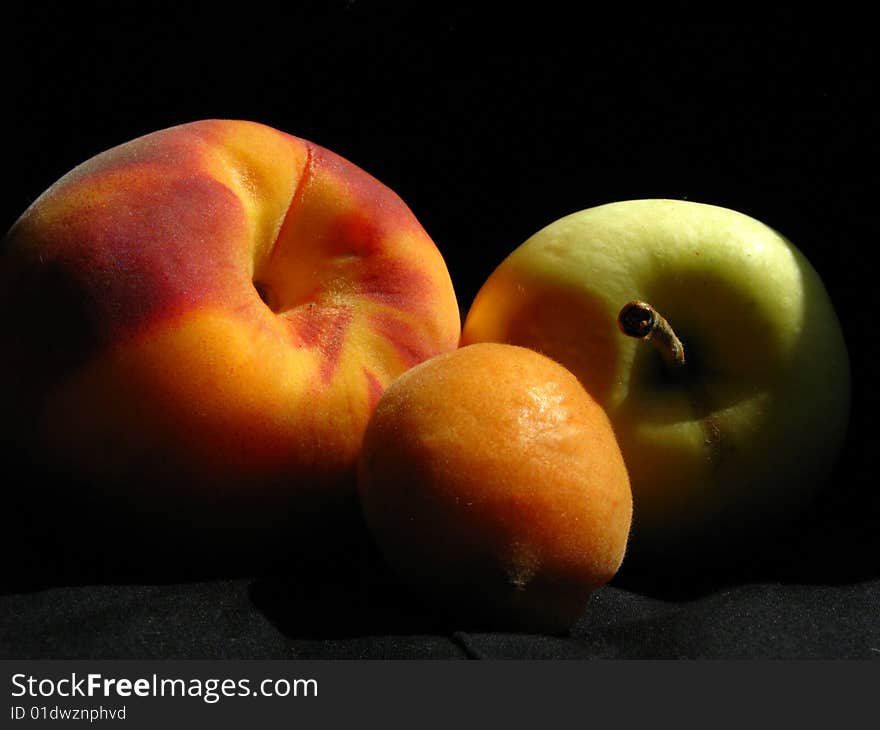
[750, 428]
[204, 318]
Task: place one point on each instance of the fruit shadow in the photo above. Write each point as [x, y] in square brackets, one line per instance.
[828, 544]
[56, 532]
[53, 535]
[343, 597]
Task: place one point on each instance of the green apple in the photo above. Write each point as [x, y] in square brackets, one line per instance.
[710, 341]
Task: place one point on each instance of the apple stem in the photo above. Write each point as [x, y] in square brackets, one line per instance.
[640, 320]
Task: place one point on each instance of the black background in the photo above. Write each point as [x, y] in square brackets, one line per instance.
[492, 123]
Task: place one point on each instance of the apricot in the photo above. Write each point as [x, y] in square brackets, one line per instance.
[493, 484]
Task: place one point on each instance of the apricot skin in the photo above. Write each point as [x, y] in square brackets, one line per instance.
[493, 483]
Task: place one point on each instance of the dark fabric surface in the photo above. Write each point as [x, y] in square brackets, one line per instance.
[239, 620]
[813, 593]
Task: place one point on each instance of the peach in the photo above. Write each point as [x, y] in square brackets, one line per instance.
[200, 322]
[494, 485]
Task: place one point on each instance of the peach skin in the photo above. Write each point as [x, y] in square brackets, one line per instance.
[198, 324]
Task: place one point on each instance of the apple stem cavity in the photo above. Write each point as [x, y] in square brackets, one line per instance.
[640, 320]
